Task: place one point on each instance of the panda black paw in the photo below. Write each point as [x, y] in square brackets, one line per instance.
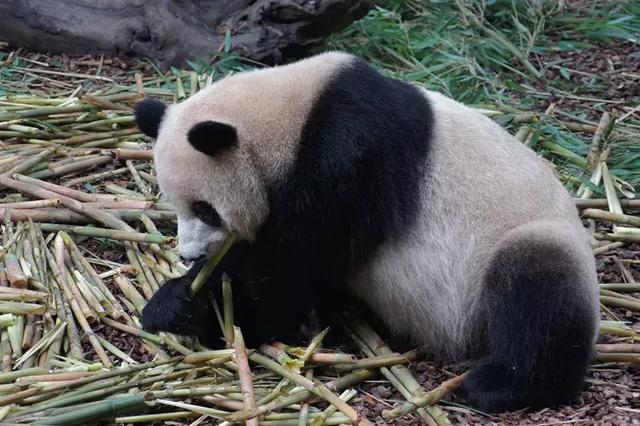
[492, 388]
[172, 309]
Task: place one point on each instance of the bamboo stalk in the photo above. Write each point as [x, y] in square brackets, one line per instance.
[246, 382]
[32, 161]
[611, 217]
[212, 263]
[602, 132]
[68, 192]
[130, 292]
[84, 265]
[100, 175]
[620, 302]
[98, 215]
[14, 272]
[317, 388]
[619, 287]
[399, 376]
[71, 167]
[113, 234]
[133, 154]
[603, 203]
[89, 415]
[430, 398]
[300, 395]
[227, 298]
[618, 357]
[146, 418]
[619, 347]
[142, 186]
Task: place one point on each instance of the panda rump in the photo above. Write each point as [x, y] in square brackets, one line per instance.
[340, 180]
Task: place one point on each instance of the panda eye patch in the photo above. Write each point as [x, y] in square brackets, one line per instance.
[206, 213]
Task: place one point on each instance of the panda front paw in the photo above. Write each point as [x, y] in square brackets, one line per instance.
[171, 308]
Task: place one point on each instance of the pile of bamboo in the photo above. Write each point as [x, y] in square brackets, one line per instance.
[76, 170]
[59, 301]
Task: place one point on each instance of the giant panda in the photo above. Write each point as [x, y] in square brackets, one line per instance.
[344, 184]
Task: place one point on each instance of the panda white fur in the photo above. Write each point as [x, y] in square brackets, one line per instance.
[335, 177]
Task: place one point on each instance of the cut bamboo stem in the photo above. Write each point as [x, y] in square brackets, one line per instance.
[246, 382]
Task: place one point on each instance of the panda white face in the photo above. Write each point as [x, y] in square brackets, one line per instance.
[200, 231]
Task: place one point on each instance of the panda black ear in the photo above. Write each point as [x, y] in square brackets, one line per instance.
[149, 113]
[212, 137]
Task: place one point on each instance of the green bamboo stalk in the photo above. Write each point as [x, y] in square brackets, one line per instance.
[429, 398]
[82, 263]
[621, 287]
[399, 376]
[99, 176]
[298, 396]
[142, 186]
[75, 205]
[617, 302]
[146, 418]
[91, 414]
[317, 388]
[227, 297]
[107, 233]
[211, 264]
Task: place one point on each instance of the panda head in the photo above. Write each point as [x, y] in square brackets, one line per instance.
[204, 173]
[218, 152]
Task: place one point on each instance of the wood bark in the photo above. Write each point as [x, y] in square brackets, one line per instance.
[171, 31]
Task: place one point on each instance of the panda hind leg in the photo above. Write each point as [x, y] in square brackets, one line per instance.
[542, 321]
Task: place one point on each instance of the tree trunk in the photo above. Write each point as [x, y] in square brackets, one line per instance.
[171, 31]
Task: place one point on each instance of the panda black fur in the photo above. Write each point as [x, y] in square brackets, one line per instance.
[337, 179]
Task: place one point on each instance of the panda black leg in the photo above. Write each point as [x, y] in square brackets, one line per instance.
[540, 331]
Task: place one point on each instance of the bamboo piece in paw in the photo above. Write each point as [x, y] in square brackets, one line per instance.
[211, 264]
[246, 382]
[227, 298]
